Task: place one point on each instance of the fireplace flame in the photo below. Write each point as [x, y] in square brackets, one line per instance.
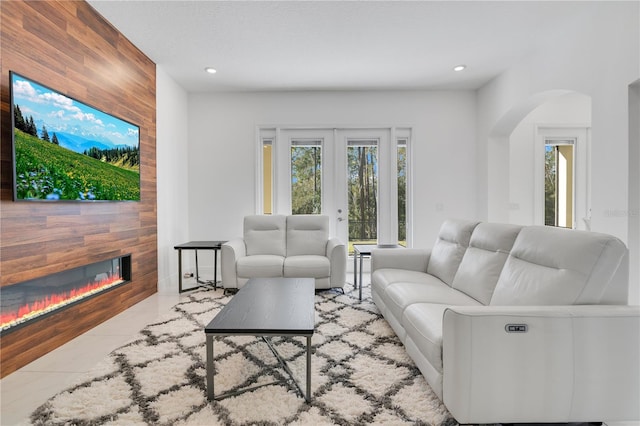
[55, 301]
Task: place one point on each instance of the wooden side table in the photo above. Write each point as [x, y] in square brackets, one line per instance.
[199, 245]
[363, 250]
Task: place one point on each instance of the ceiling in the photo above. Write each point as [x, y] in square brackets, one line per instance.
[340, 45]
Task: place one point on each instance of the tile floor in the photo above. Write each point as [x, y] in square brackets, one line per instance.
[29, 387]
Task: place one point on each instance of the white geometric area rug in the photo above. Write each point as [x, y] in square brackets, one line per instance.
[361, 374]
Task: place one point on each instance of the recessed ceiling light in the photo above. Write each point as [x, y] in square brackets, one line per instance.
[210, 70]
[459, 67]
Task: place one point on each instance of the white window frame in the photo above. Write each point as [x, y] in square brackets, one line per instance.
[397, 135]
[281, 203]
[581, 134]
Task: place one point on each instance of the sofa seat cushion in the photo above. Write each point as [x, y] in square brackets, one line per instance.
[307, 266]
[423, 325]
[382, 278]
[263, 265]
[400, 295]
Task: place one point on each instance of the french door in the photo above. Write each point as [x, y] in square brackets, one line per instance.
[351, 175]
[362, 185]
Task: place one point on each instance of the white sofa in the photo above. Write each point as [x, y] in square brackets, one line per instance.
[296, 246]
[513, 324]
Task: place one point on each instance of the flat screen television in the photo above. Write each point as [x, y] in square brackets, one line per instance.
[66, 150]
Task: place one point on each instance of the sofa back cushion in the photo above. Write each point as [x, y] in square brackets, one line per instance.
[307, 234]
[449, 249]
[265, 234]
[482, 263]
[556, 266]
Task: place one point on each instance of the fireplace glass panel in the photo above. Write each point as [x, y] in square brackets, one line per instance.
[30, 300]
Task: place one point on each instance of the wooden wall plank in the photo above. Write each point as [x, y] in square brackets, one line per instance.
[71, 48]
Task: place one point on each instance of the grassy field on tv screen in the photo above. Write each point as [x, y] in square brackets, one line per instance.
[48, 171]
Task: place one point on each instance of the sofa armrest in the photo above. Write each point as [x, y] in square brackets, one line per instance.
[231, 251]
[337, 254]
[548, 363]
[400, 258]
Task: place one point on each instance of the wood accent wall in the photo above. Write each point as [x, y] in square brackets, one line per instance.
[68, 46]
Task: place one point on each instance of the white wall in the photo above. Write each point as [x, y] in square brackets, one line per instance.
[600, 60]
[172, 185]
[222, 149]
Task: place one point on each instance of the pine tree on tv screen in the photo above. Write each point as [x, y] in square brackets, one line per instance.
[67, 150]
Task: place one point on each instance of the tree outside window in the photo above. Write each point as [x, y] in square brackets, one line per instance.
[306, 178]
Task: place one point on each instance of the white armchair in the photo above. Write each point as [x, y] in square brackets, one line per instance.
[296, 246]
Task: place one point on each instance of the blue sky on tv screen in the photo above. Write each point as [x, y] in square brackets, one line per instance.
[76, 125]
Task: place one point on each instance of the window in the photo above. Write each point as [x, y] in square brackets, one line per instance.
[358, 177]
[558, 183]
[362, 190]
[267, 176]
[402, 190]
[306, 176]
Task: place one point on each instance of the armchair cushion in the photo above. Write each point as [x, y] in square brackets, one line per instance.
[265, 234]
[262, 265]
[310, 266]
[307, 234]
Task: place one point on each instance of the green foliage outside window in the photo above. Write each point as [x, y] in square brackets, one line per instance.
[550, 186]
[402, 194]
[362, 166]
[306, 179]
[362, 187]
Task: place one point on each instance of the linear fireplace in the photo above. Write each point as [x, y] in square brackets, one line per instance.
[31, 300]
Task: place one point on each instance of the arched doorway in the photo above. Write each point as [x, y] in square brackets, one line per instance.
[554, 122]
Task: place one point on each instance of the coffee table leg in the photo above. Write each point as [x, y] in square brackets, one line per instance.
[210, 371]
[308, 396]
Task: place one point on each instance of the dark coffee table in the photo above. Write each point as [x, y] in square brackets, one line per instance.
[266, 307]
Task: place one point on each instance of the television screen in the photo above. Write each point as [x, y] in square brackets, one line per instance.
[64, 149]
